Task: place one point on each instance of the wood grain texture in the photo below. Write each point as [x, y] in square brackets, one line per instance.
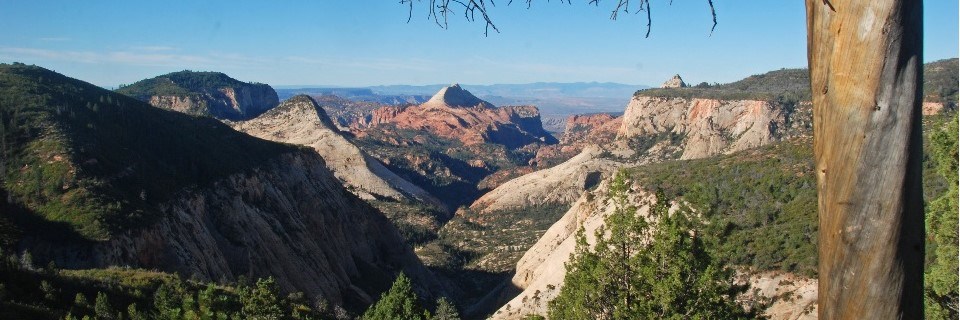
[865, 70]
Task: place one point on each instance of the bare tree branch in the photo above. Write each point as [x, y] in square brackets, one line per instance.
[440, 11]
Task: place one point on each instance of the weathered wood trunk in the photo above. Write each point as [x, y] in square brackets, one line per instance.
[865, 71]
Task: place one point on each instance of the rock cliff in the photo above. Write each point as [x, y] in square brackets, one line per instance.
[300, 120]
[205, 93]
[708, 126]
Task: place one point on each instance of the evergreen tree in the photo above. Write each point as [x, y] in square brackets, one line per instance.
[446, 310]
[102, 307]
[168, 300]
[399, 303]
[646, 270]
[262, 301]
[80, 300]
[134, 314]
[941, 275]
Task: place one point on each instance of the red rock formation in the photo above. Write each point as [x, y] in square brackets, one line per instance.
[454, 113]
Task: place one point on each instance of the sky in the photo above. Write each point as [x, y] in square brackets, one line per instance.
[370, 42]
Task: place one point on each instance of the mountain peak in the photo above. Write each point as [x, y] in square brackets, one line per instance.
[456, 96]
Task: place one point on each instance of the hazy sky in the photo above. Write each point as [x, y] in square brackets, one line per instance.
[369, 42]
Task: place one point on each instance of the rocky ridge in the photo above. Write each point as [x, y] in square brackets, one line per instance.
[300, 120]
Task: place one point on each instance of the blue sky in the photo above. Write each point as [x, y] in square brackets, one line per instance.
[369, 42]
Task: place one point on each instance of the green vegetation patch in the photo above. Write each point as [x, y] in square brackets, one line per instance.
[30, 292]
[761, 203]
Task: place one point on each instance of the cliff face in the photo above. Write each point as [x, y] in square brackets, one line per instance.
[709, 126]
[224, 103]
[289, 219]
[454, 113]
[299, 120]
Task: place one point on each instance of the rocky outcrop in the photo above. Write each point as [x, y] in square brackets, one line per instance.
[289, 219]
[454, 113]
[299, 120]
[708, 126]
[597, 128]
[675, 82]
[560, 184]
[579, 131]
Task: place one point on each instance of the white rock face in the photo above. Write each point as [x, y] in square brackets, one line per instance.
[299, 120]
[454, 96]
[795, 297]
[560, 184]
[710, 126]
[675, 82]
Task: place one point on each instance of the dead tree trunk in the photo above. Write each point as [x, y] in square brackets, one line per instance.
[865, 61]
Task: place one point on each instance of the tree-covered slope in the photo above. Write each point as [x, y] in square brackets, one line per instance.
[181, 83]
[204, 93]
[940, 81]
[97, 162]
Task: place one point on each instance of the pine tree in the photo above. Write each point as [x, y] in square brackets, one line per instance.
[80, 300]
[446, 310]
[262, 301]
[102, 307]
[134, 314]
[399, 303]
[657, 269]
[168, 300]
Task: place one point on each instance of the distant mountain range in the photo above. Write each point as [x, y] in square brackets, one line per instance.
[560, 99]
